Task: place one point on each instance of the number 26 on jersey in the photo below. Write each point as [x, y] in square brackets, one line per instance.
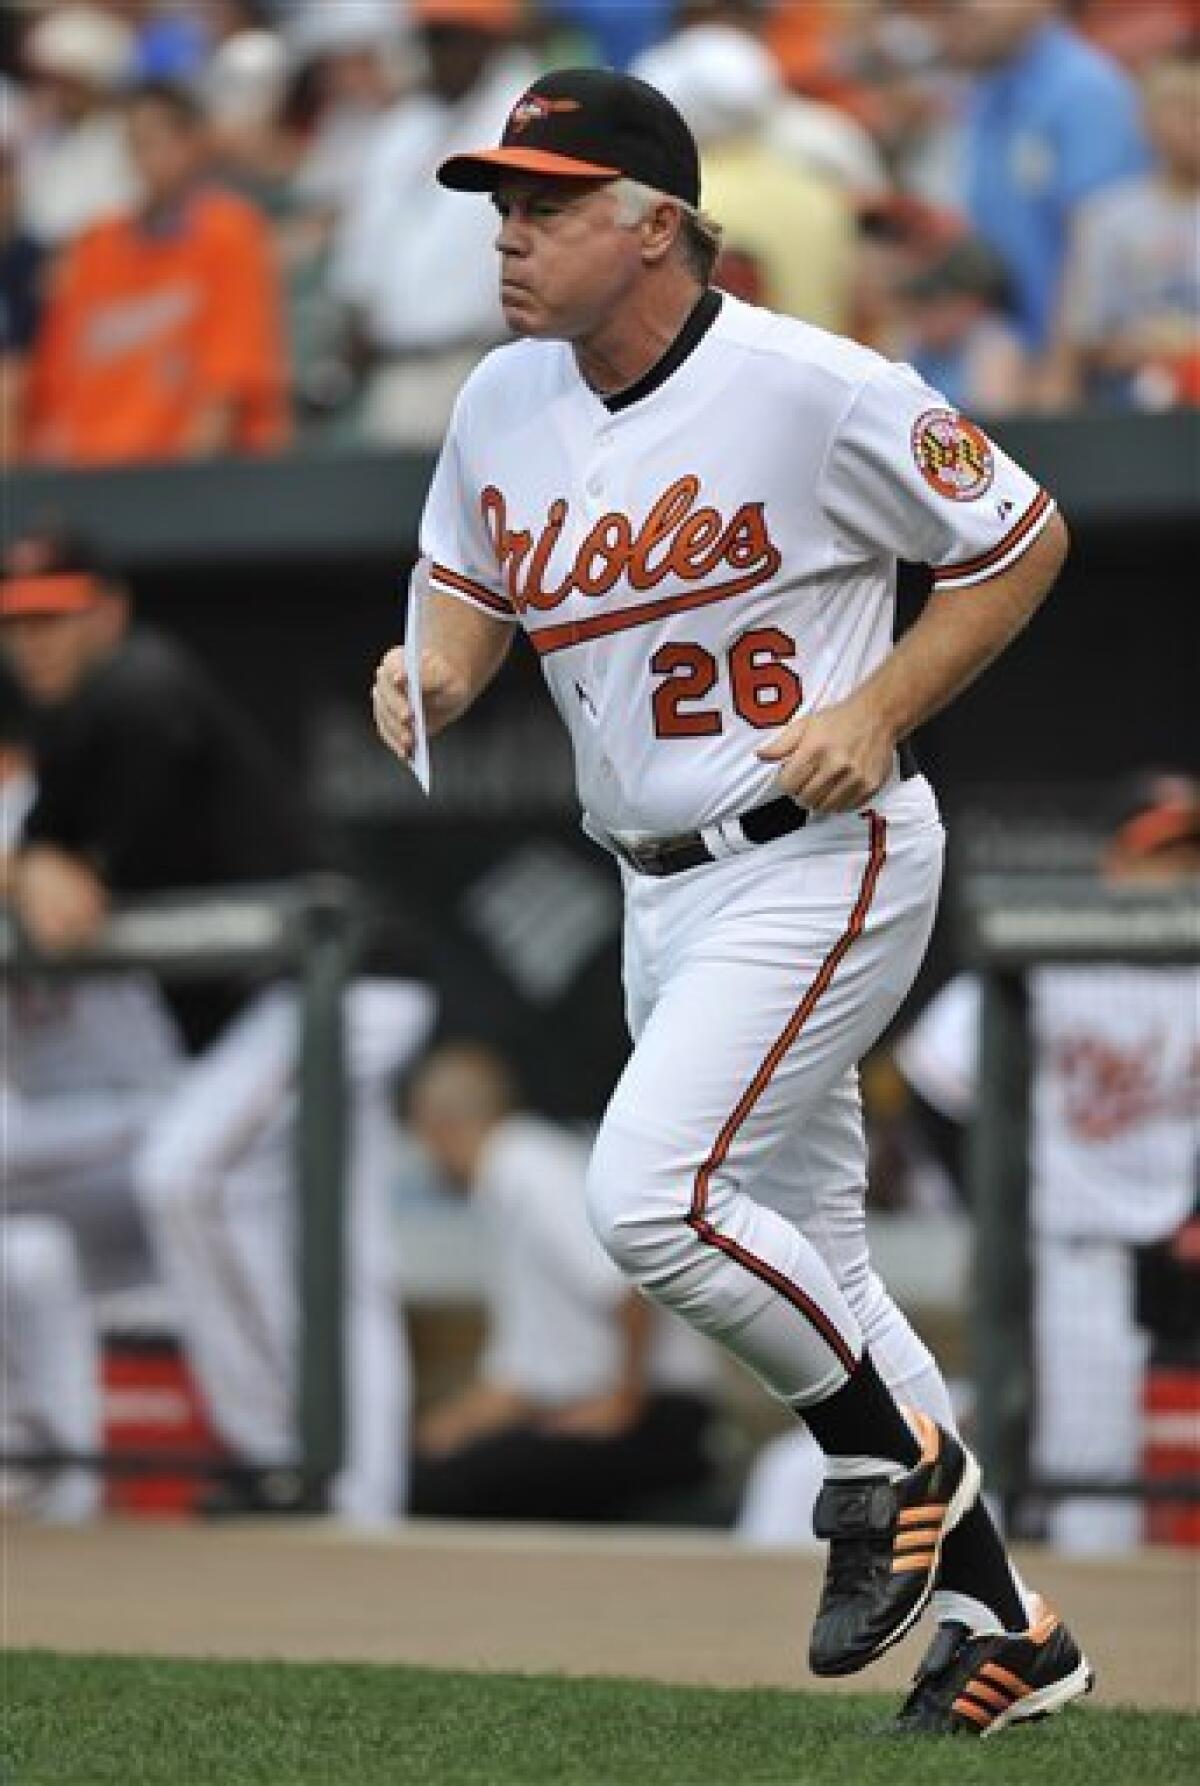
[764, 688]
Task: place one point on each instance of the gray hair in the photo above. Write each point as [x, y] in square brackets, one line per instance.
[699, 238]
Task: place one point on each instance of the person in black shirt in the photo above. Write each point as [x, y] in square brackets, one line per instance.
[149, 779]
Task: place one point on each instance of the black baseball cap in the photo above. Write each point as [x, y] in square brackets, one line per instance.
[50, 571]
[587, 124]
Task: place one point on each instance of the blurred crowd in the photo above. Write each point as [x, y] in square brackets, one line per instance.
[219, 230]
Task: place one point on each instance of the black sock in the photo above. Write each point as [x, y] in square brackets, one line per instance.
[975, 1562]
[862, 1420]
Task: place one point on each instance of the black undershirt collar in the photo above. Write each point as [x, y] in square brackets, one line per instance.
[700, 320]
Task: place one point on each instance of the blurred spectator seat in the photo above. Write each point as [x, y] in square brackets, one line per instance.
[163, 335]
[75, 168]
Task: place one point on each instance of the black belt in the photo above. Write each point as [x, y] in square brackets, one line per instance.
[762, 824]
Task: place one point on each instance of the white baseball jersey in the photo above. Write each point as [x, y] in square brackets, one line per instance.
[713, 550]
[1116, 1092]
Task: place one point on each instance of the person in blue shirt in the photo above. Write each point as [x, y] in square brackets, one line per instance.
[1050, 120]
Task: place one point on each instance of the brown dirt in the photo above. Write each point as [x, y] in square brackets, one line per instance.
[687, 1607]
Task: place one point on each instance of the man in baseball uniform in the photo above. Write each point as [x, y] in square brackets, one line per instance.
[694, 509]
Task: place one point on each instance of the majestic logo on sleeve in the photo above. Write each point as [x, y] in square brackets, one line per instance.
[680, 540]
[953, 456]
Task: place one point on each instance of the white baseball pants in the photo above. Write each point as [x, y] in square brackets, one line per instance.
[729, 1174]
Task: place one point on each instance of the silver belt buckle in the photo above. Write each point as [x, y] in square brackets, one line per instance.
[635, 855]
[650, 857]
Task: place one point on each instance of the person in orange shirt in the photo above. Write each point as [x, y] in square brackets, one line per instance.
[164, 336]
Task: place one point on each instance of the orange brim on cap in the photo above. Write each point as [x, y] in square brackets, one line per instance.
[480, 172]
[68, 593]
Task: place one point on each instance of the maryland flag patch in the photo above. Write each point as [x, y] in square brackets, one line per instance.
[953, 456]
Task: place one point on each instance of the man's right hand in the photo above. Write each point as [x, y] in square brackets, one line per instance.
[462, 653]
[391, 699]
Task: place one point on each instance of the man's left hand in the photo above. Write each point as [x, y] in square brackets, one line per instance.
[834, 760]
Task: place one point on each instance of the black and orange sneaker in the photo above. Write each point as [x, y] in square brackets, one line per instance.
[885, 1543]
[976, 1686]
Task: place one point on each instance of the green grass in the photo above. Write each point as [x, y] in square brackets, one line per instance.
[84, 1721]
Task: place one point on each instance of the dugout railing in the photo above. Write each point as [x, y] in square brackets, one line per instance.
[1009, 924]
[312, 930]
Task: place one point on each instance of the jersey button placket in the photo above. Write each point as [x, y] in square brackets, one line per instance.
[596, 482]
[594, 485]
